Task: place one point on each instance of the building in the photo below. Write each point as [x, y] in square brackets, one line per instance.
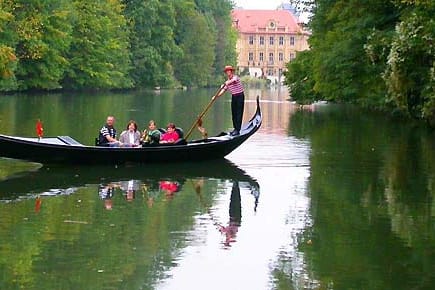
[268, 39]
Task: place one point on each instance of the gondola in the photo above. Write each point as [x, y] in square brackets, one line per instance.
[66, 150]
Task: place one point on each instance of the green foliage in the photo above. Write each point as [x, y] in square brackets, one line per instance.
[105, 44]
[300, 80]
[187, 40]
[195, 66]
[99, 56]
[8, 58]
[44, 30]
[152, 41]
[374, 53]
[409, 71]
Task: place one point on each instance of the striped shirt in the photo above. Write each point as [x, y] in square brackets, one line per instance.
[106, 131]
[234, 86]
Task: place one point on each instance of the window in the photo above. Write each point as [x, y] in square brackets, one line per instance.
[261, 56]
[280, 72]
[281, 40]
[251, 39]
[292, 40]
[251, 56]
[261, 40]
[292, 56]
[271, 40]
[271, 57]
[270, 72]
[281, 56]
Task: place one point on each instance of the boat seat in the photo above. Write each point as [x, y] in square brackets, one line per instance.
[68, 140]
[180, 132]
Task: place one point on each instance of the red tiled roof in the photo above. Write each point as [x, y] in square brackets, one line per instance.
[248, 21]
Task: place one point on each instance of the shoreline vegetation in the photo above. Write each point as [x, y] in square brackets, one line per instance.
[110, 45]
[379, 55]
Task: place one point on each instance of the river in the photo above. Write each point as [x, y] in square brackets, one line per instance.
[322, 197]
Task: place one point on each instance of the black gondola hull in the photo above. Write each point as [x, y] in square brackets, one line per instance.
[199, 150]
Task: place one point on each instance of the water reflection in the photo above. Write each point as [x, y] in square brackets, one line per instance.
[235, 217]
[143, 216]
[371, 189]
[152, 241]
[148, 189]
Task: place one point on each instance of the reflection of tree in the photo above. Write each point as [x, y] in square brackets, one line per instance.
[371, 187]
[75, 243]
[131, 246]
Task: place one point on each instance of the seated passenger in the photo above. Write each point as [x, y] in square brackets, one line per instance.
[152, 135]
[171, 136]
[130, 137]
[107, 136]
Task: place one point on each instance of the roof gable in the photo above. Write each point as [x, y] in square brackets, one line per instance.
[252, 21]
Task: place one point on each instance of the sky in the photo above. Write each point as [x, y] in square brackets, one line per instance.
[258, 4]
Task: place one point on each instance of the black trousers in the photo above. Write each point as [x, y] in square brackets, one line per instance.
[237, 107]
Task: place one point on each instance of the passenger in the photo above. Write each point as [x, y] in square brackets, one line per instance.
[107, 136]
[130, 137]
[171, 136]
[152, 135]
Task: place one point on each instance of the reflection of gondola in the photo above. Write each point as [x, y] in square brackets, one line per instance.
[65, 150]
[49, 178]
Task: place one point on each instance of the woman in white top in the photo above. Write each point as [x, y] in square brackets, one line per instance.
[131, 136]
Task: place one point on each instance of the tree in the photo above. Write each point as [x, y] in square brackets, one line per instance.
[195, 66]
[300, 80]
[106, 44]
[152, 41]
[99, 56]
[409, 74]
[374, 53]
[44, 35]
[7, 52]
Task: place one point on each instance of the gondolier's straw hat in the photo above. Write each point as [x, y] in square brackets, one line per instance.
[228, 67]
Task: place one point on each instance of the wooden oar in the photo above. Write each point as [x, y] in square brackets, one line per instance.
[203, 112]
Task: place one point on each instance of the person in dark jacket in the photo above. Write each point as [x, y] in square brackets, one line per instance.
[107, 136]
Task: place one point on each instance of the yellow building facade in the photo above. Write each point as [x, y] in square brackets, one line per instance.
[267, 40]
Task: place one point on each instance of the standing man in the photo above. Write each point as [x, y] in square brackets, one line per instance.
[235, 87]
[107, 136]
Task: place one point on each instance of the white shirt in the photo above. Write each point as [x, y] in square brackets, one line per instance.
[131, 137]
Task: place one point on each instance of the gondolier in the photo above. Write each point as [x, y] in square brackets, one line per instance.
[235, 87]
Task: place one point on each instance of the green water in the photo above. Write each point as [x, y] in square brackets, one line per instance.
[325, 197]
